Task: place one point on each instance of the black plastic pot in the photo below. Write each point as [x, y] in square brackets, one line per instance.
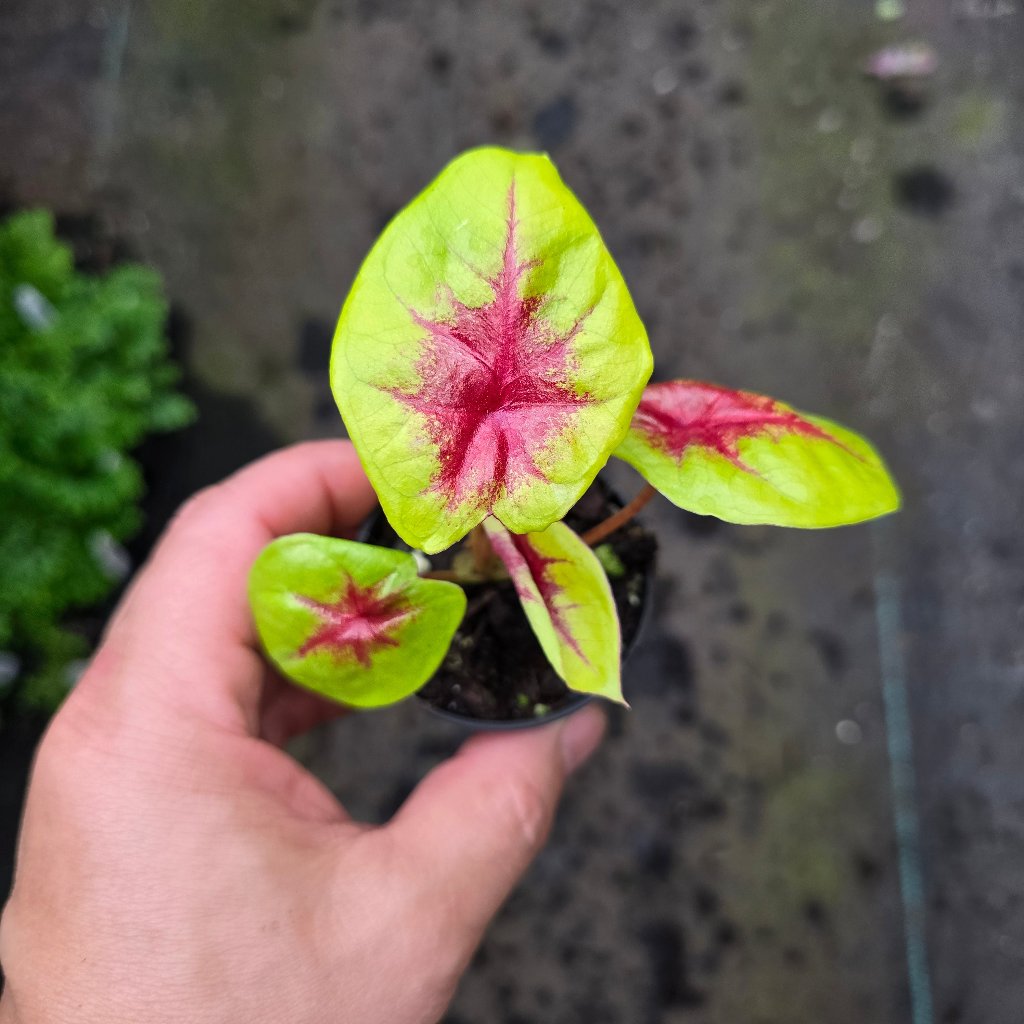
[377, 530]
[573, 703]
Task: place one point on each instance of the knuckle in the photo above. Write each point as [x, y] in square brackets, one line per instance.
[198, 521]
[527, 810]
[197, 509]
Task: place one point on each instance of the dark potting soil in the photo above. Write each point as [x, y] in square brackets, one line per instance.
[495, 669]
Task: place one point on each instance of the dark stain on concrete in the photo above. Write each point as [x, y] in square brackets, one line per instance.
[554, 124]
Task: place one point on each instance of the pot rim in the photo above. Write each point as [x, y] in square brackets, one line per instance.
[572, 704]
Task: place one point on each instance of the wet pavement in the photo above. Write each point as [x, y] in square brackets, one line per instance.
[815, 809]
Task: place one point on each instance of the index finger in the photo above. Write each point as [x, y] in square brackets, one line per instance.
[187, 612]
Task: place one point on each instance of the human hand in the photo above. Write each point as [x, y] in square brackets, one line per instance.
[176, 865]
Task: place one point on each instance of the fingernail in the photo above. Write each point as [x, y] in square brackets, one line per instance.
[580, 737]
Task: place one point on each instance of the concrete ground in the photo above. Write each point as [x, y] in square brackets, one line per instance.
[815, 809]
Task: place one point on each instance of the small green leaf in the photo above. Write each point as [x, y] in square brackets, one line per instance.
[749, 459]
[610, 561]
[489, 357]
[568, 601]
[351, 621]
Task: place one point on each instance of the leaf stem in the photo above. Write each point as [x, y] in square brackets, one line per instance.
[444, 574]
[483, 553]
[485, 562]
[596, 534]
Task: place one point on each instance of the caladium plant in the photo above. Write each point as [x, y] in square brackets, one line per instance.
[487, 363]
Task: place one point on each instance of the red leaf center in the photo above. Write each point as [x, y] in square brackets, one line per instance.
[679, 415]
[495, 385]
[358, 623]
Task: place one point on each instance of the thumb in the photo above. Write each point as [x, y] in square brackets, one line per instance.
[473, 825]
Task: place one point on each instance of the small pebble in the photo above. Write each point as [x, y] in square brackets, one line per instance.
[829, 121]
[849, 732]
[664, 81]
[867, 229]
[915, 60]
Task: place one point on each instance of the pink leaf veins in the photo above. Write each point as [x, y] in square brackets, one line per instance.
[495, 385]
[358, 623]
[678, 415]
[523, 560]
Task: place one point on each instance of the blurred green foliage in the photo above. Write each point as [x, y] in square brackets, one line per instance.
[84, 377]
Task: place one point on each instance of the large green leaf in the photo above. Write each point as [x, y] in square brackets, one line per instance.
[749, 459]
[488, 358]
[351, 621]
[567, 598]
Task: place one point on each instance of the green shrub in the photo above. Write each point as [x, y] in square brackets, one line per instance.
[84, 377]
